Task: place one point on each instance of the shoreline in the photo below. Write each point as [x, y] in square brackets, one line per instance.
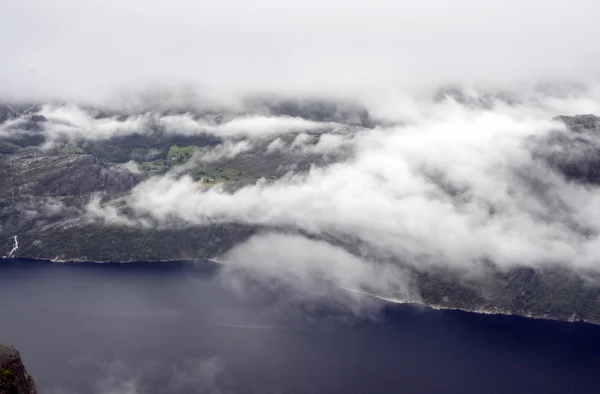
[100, 262]
[479, 311]
[416, 304]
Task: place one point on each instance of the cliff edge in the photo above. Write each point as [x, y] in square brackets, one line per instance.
[14, 378]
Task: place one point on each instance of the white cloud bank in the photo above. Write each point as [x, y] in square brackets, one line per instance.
[454, 187]
[72, 123]
[301, 263]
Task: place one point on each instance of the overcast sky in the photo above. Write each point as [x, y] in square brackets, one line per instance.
[90, 49]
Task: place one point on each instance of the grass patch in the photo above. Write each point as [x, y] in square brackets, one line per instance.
[212, 175]
[210, 180]
[151, 151]
[181, 153]
[6, 376]
[146, 155]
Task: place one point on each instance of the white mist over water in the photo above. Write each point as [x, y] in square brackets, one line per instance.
[98, 329]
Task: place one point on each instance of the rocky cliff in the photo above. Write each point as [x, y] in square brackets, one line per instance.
[14, 378]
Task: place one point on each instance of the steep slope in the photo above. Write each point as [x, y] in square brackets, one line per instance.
[33, 172]
[14, 378]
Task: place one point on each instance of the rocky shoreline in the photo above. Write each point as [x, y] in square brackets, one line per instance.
[418, 304]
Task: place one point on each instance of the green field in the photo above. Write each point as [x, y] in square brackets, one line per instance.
[181, 152]
[220, 174]
[151, 151]
[209, 180]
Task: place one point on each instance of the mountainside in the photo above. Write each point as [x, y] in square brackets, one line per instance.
[66, 194]
[14, 378]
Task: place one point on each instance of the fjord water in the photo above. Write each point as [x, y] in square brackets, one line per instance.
[178, 328]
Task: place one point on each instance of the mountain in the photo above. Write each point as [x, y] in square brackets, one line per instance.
[61, 167]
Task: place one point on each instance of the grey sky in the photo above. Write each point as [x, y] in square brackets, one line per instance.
[90, 49]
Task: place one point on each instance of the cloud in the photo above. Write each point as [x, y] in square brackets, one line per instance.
[86, 52]
[254, 126]
[456, 186]
[303, 264]
[32, 211]
[275, 145]
[96, 211]
[132, 166]
[70, 123]
[227, 150]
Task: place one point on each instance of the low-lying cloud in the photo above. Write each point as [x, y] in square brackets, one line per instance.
[301, 263]
[71, 124]
[455, 186]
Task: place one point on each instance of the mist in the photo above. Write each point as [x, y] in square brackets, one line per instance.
[99, 52]
[456, 186]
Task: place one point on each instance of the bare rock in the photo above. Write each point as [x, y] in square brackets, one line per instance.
[14, 378]
[31, 171]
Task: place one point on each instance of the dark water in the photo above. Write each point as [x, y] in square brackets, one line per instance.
[176, 328]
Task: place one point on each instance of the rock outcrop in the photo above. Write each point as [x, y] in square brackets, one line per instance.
[33, 172]
[573, 152]
[14, 378]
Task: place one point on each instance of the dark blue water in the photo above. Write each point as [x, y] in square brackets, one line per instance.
[184, 328]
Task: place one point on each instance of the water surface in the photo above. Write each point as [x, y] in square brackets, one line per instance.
[177, 328]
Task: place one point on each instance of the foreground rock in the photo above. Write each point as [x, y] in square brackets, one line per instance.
[14, 378]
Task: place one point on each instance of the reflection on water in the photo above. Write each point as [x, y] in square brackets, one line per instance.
[176, 328]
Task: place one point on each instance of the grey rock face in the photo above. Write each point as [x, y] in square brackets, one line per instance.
[7, 113]
[318, 110]
[31, 171]
[14, 378]
[574, 153]
[15, 111]
[580, 123]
